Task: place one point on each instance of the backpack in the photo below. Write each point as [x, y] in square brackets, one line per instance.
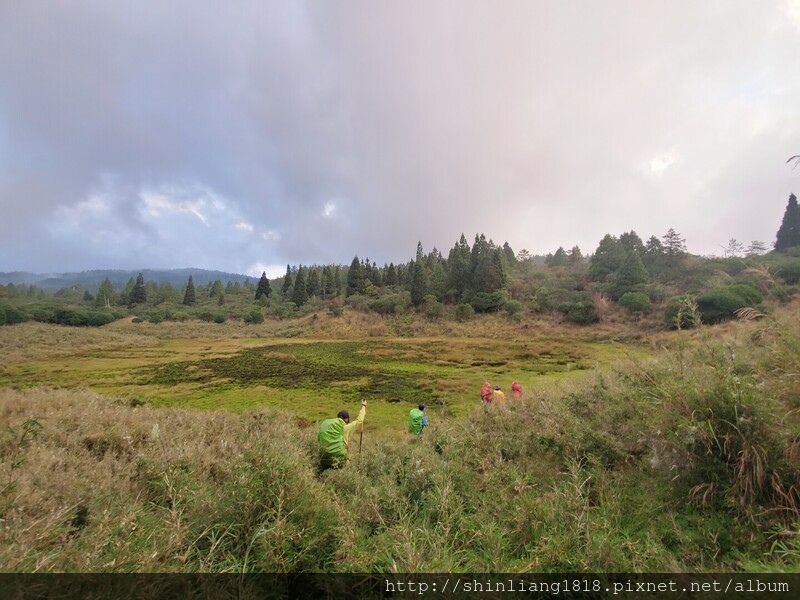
[331, 439]
[415, 418]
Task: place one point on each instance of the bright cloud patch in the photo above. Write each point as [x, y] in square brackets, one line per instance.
[243, 226]
[272, 271]
[155, 204]
[660, 163]
[329, 209]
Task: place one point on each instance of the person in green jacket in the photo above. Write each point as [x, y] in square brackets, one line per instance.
[334, 438]
[417, 420]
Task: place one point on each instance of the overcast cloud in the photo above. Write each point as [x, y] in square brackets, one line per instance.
[243, 136]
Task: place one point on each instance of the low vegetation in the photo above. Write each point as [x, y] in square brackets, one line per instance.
[686, 458]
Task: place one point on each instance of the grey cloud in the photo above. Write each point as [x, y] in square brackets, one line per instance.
[532, 122]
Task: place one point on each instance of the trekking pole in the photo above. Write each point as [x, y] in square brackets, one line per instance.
[361, 438]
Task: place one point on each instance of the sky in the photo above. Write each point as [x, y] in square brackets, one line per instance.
[244, 136]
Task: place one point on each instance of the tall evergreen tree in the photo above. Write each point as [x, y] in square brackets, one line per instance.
[511, 258]
[312, 283]
[631, 276]
[139, 294]
[355, 278]
[216, 289]
[337, 281]
[327, 287]
[264, 288]
[300, 293]
[789, 232]
[674, 245]
[607, 259]
[575, 256]
[559, 259]
[631, 242]
[458, 266]
[287, 282]
[391, 276]
[418, 284]
[189, 296]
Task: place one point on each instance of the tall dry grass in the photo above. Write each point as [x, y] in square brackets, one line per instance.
[686, 462]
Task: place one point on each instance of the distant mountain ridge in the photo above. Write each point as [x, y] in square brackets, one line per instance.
[91, 280]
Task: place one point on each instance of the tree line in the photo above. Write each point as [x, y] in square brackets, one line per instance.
[472, 278]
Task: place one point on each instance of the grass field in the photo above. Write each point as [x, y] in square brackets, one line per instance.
[233, 369]
[192, 448]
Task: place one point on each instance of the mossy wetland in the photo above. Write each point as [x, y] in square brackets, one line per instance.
[310, 379]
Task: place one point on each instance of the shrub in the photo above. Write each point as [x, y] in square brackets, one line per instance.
[636, 302]
[788, 270]
[583, 312]
[433, 308]
[783, 293]
[464, 312]
[254, 317]
[682, 313]
[489, 301]
[513, 308]
[722, 303]
[389, 304]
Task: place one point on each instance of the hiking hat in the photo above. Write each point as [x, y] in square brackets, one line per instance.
[497, 387]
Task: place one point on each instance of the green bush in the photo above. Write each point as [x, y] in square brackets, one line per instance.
[254, 317]
[636, 302]
[489, 301]
[783, 293]
[722, 303]
[464, 312]
[788, 269]
[389, 304]
[583, 312]
[513, 308]
[682, 313]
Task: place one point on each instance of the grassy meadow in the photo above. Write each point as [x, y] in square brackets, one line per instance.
[191, 447]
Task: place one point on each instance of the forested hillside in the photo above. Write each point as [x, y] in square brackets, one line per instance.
[655, 282]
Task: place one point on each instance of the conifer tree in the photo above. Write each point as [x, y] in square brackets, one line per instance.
[216, 289]
[189, 296]
[300, 293]
[631, 276]
[312, 284]
[458, 264]
[607, 259]
[327, 287]
[287, 282]
[789, 232]
[631, 242]
[418, 287]
[355, 278]
[139, 294]
[575, 256]
[264, 288]
[391, 276]
[337, 281]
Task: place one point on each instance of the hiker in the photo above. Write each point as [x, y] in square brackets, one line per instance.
[334, 438]
[417, 421]
[498, 397]
[516, 390]
[486, 392]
